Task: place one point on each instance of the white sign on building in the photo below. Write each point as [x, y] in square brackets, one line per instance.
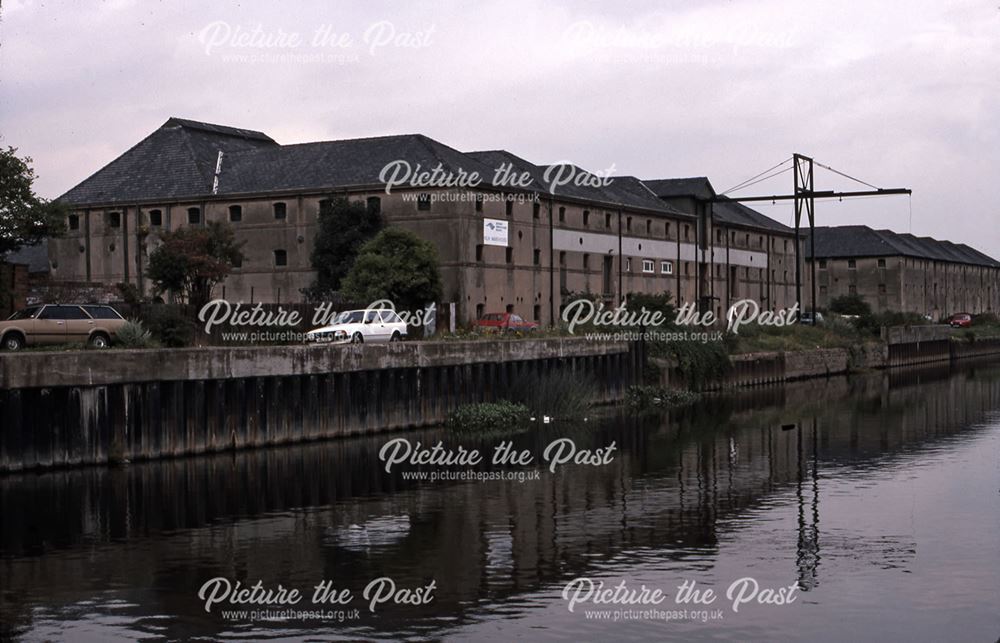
[495, 232]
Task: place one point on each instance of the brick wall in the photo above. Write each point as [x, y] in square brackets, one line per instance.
[14, 289]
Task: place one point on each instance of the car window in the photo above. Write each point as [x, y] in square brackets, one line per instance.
[102, 312]
[27, 313]
[389, 316]
[370, 316]
[50, 312]
[72, 312]
[516, 319]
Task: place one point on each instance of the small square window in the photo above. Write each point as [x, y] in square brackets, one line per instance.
[73, 221]
[510, 255]
[648, 266]
[424, 202]
[536, 210]
[479, 252]
[628, 265]
[280, 258]
[510, 207]
[562, 215]
[666, 268]
[649, 226]
[479, 203]
[538, 257]
[114, 219]
[607, 219]
[235, 213]
[851, 263]
[628, 224]
[155, 218]
[881, 263]
[586, 261]
[822, 264]
[586, 217]
[852, 289]
[280, 210]
[194, 215]
[881, 289]
[562, 259]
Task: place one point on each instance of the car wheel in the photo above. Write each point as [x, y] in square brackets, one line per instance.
[99, 340]
[357, 338]
[13, 342]
[396, 337]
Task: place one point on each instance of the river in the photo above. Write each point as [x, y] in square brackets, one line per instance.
[873, 500]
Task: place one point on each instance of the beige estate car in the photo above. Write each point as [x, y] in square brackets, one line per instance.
[93, 324]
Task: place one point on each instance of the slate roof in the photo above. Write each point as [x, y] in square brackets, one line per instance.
[735, 213]
[177, 160]
[625, 191]
[862, 241]
[338, 164]
[698, 187]
[36, 257]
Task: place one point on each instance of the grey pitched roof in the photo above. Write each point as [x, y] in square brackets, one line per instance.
[338, 164]
[177, 160]
[862, 241]
[698, 187]
[624, 191]
[735, 213]
[36, 257]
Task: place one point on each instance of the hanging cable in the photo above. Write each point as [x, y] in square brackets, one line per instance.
[739, 186]
[846, 176]
[763, 178]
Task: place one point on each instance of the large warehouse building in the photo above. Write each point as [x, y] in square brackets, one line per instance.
[523, 249]
[904, 273]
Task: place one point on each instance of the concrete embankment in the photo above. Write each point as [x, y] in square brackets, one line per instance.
[901, 346]
[91, 407]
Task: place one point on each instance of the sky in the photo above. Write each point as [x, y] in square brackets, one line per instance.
[898, 94]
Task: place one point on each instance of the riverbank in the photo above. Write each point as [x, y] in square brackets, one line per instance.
[99, 407]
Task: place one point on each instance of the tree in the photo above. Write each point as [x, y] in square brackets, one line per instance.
[344, 226]
[853, 304]
[396, 265]
[192, 260]
[25, 218]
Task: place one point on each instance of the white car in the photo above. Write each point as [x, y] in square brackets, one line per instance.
[361, 326]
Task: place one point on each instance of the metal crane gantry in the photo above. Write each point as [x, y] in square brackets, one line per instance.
[804, 195]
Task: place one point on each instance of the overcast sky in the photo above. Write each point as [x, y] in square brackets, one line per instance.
[902, 94]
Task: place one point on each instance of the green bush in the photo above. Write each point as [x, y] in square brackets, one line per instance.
[642, 398]
[170, 327]
[560, 394]
[985, 319]
[489, 417]
[850, 305]
[134, 335]
[698, 362]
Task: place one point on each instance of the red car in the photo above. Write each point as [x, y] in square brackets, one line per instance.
[505, 323]
[960, 320]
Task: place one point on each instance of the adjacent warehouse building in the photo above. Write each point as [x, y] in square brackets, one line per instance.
[901, 272]
[517, 246]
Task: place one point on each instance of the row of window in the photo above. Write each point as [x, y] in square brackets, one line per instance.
[114, 219]
[851, 263]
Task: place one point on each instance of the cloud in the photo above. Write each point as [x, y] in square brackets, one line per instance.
[899, 94]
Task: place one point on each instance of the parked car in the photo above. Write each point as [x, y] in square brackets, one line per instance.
[807, 318]
[92, 324]
[505, 323]
[960, 320]
[360, 326]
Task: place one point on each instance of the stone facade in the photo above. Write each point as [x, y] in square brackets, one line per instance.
[605, 242]
[910, 284]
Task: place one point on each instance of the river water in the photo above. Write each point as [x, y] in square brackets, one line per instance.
[872, 503]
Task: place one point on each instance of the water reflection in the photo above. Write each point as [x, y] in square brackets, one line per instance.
[123, 551]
